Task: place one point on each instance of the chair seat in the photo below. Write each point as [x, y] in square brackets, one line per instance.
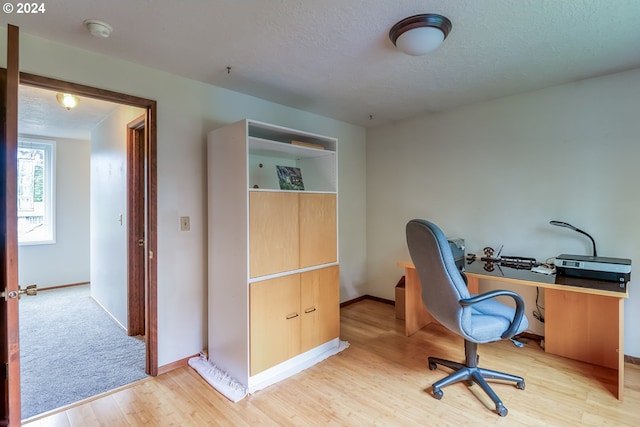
[489, 320]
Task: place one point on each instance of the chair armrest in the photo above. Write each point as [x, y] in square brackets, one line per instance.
[517, 318]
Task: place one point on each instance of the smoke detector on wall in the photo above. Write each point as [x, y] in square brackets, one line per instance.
[98, 29]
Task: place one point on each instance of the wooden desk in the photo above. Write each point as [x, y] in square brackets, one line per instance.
[584, 319]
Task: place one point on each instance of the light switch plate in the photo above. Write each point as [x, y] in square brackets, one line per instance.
[185, 223]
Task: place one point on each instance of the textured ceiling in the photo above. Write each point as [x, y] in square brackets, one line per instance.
[39, 114]
[334, 57]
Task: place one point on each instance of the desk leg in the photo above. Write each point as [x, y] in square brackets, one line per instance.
[620, 349]
[416, 315]
[586, 327]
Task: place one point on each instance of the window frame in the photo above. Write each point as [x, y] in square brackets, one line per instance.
[49, 196]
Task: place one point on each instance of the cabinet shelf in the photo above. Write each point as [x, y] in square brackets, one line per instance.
[270, 190]
[317, 166]
[269, 148]
[278, 134]
[286, 273]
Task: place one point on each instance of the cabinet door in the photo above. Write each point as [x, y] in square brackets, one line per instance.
[320, 306]
[318, 232]
[274, 321]
[273, 232]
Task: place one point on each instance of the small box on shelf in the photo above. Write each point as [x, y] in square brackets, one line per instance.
[307, 144]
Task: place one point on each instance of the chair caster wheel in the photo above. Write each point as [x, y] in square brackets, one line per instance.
[502, 411]
[520, 385]
[437, 393]
[432, 366]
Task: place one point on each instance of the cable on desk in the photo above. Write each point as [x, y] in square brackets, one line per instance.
[537, 313]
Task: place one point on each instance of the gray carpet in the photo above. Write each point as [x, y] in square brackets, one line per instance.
[70, 349]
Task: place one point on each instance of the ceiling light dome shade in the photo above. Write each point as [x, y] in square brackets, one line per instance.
[67, 100]
[420, 34]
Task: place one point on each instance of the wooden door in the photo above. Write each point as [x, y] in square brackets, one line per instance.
[318, 231]
[273, 232]
[320, 306]
[274, 321]
[136, 240]
[10, 343]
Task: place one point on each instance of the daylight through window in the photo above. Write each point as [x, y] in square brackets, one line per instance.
[36, 222]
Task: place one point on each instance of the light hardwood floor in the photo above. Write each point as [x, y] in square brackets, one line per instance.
[381, 379]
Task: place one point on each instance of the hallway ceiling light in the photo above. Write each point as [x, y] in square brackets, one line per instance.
[67, 100]
[420, 34]
[98, 28]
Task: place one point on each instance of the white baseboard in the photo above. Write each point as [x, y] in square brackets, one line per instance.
[295, 365]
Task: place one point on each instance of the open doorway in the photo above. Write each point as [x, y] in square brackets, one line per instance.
[103, 245]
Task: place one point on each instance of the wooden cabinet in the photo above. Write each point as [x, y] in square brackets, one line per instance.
[288, 231]
[318, 238]
[319, 306]
[293, 314]
[275, 321]
[273, 233]
[273, 254]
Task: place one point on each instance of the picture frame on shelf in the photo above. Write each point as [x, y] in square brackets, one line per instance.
[290, 178]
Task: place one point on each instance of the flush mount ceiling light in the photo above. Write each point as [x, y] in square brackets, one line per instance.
[67, 100]
[420, 34]
[98, 28]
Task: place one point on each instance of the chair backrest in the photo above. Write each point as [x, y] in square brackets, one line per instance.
[442, 283]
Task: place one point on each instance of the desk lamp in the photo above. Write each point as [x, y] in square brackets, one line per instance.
[567, 225]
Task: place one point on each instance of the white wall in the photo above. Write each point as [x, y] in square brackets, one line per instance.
[495, 173]
[187, 110]
[109, 211]
[66, 261]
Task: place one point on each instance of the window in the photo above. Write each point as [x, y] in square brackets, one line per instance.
[36, 163]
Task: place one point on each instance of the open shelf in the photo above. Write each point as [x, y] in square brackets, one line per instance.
[264, 131]
[270, 148]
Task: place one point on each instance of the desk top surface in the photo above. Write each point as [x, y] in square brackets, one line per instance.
[495, 271]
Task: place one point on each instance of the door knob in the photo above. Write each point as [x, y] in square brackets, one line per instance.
[30, 290]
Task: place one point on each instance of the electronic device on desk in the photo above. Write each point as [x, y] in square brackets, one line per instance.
[592, 267]
[492, 262]
[595, 267]
[518, 262]
[457, 248]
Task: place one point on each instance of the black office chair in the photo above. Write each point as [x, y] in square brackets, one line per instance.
[478, 318]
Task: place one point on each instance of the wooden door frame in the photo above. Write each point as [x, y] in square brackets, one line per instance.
[136, 265]
[151, 317]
